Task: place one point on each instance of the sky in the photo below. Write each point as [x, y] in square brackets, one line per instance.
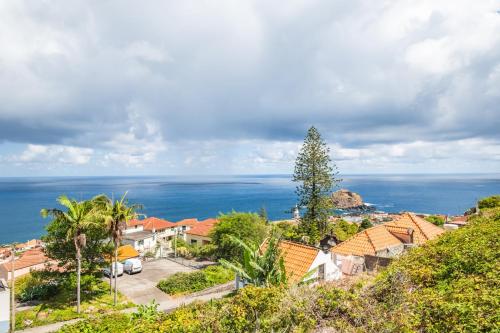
[156, 87]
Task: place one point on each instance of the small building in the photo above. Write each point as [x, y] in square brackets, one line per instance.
[33, 259]
[199, 234]
[142, 241]
[31, 244]
[300, 259]
[386, 240]
[185, 225]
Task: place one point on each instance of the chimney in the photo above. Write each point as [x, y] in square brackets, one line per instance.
[410, 233]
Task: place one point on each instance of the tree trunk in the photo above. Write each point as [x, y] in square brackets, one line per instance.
[116, 273]
[78, 272]
[13, 295]
[111, 278]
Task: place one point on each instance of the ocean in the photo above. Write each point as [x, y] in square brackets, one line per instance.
[176, 198]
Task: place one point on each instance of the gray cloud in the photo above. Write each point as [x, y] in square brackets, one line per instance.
[125, 75]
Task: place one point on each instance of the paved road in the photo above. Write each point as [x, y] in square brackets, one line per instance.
[141, 288]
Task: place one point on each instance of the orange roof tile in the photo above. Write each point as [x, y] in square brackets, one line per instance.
[29, 258]
[210, 221]
[134, 222]
[298, 259]
[423, 230]
[151, 223]
[383, 236]
[126, 252]
[203, 228]
[187, 222]
[368, 241]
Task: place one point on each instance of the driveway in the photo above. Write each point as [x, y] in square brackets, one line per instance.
[141, 288]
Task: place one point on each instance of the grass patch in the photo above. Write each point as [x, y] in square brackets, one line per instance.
[186, 283]
[62, 307]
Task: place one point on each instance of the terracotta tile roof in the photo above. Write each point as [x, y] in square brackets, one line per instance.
[368, 241]
[203, 228]
[134, 222]
[210, 221]
[29, 258]
[298, 259]
[187, 222]
[151, 223]
[423, 230]
[126, 252]
[387, 235]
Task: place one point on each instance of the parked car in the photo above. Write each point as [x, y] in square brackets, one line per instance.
[131, 266]
[106, 270]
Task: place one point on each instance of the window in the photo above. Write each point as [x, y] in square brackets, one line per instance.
[321, 272]
[194, 242]
[141, 242]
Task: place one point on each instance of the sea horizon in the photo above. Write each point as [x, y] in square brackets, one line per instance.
[176, 197]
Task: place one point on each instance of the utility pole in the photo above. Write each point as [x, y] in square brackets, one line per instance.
[12, 292]
[175, 243]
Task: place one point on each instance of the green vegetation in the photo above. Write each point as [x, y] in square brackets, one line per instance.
[116, 215]
[189, 251]
[265, 268]
[490, 202]
[287, 230]
[316, 175]
[451, 284]
[248, 227]
[79, 217]
[57, 300]
[343, 229]
[435, 219]
[365, 224]
[186, 283]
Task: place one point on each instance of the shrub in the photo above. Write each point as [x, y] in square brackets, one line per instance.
[182, 283]
[436, 220]
[490, 202]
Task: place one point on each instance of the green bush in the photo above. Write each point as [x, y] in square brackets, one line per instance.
[436, 220]
[185, 283]
[106, 324]
[490, 202]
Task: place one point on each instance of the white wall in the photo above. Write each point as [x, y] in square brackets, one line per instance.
[332, 272]
[133, 229]
[4, 310]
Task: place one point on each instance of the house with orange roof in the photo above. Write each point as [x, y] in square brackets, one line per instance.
[145, 235]
[32, 259]
[301, 259]
[199, 234]
[184, 225]
[383, 241]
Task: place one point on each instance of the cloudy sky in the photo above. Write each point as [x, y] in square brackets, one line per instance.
[230, 87]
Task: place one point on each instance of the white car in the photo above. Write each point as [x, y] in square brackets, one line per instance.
[131, 266]
[106, 270]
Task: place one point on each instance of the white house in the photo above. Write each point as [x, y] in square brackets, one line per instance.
[301, 259]
[149, 235]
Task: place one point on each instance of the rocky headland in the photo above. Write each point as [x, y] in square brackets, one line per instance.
[350, 201]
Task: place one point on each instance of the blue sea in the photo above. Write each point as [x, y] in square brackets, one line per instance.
[175, 198]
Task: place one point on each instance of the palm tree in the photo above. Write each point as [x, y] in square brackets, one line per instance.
[260, 268]
[79, 216]
[116, 215]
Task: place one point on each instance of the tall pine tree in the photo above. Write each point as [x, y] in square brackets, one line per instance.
[316, 175]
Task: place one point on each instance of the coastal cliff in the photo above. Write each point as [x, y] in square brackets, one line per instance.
[347, 200]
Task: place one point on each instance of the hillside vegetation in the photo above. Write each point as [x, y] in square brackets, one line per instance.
[451, 284]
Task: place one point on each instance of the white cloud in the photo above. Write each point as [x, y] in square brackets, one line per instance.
[52, 155]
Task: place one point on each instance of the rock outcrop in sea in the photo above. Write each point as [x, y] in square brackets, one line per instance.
[349, 201]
